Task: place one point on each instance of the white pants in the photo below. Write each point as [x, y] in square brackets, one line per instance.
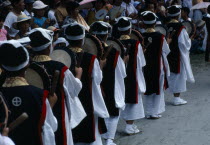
[134, 111]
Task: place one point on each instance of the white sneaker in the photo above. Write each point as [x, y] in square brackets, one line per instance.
[131, 129]
[110, 142]
[178, 101]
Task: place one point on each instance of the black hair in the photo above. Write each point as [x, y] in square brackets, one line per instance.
[2, 18]
[37, 39]
[13, 2]
[72, 5]
[11, 56]
[208, 9]
[186, 10]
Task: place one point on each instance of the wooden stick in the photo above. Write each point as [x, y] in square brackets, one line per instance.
[79, 58]
[54, 82]
[18, 121]
[107, 52]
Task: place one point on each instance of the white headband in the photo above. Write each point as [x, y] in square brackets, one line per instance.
[124, 28]
[43, 47]
[100, 33]
[69, 37]
[150, 22]
[48, 34]
[173, 15]
[16, 44]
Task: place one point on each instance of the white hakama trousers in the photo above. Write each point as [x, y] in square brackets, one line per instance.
[155, 104]
[111, 124]
[177, 82]
[134, 111]
[98, 140]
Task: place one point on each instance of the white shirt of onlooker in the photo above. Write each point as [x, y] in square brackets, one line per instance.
[10, 19]
[28, 14]
[129, 9]
[51, 16]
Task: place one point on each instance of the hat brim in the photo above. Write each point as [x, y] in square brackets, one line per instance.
[16, 23]
[42, 7]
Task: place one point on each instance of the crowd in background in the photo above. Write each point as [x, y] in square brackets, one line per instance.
[17, 17]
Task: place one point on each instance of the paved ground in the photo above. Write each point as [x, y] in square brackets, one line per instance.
[183, 125]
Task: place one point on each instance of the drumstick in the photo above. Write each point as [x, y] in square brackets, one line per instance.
[79, 60]
[127, 50]
[54, 82]
[18, 121]
[108, 51]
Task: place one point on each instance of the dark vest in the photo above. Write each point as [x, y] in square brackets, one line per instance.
[153, 55]
[59, 108]
[108, 82]
[31, 102]
[174, 55]
[131, 84]
[85, 131]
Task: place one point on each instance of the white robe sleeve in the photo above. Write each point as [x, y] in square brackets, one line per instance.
[140, 64]
[165, 52]
[205, 39]
[72, 87]
[4, 140]
[184, 46]
[119, 92]
[98, 101]
[49, 127]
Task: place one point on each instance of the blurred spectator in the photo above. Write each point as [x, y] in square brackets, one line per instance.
[3, 32]
[185, 14]
[23, 25]
[5, 8]
[98, 5]
[39, 20]
[29, 8]
[61, 13]
[74, 16]
[130, 11]
[51, 14]
[187, 3]
[56, 32]
[18, 7]
[197, 42]
[116, 11]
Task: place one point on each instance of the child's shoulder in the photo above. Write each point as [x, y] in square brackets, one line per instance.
[3, 31]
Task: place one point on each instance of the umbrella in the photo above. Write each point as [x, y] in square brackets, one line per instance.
[86, 1]
[200, 5]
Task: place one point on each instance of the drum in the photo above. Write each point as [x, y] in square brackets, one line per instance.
[190, 28]
[136, 35]
[3, 113]
[162, 29]
[116, 44]
[64, 55]
[37, 76]
[93, 46]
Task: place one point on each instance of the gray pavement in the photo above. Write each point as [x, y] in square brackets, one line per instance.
[180, 125]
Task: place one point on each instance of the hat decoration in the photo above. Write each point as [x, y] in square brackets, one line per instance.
[16, 45]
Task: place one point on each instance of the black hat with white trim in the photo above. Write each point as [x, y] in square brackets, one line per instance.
[123, 23]
[74, 31]
[149, 17]
[13, 56]
[100, 28]
[174, 11]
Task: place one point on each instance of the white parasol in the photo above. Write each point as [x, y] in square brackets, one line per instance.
[200, 5]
